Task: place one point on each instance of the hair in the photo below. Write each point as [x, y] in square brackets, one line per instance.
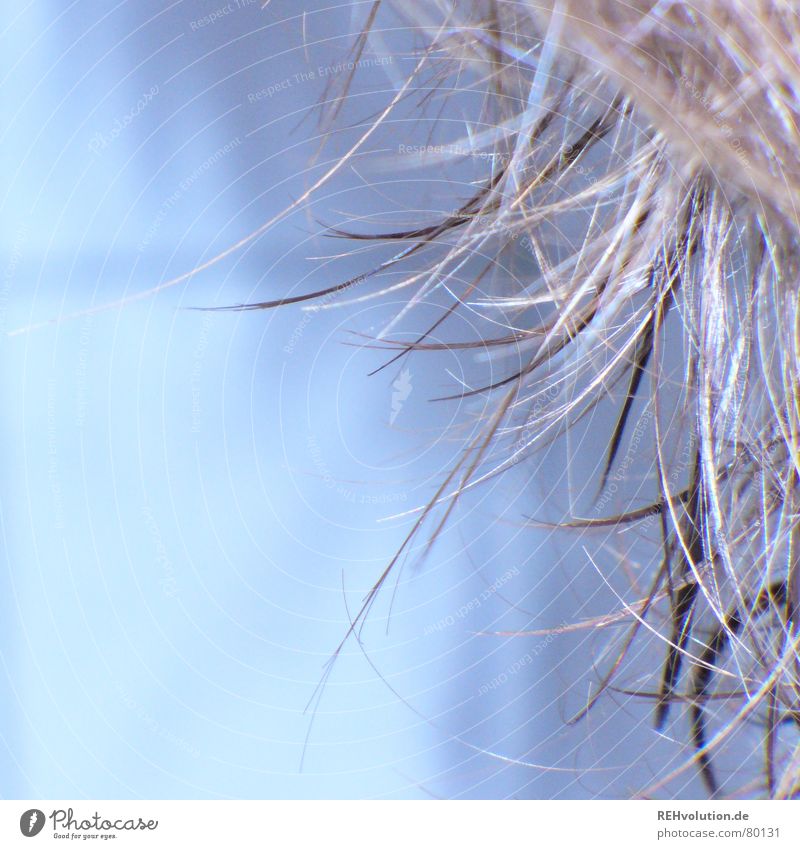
[645, 156]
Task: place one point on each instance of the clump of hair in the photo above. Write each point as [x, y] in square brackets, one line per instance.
[647, 155]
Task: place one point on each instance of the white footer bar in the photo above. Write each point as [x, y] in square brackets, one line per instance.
[399, 825]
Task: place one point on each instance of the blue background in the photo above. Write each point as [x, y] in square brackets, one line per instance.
[195, 502]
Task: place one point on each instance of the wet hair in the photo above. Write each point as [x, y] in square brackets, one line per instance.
[644, 156]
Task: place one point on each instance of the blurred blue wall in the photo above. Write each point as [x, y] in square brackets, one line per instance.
[194, 502]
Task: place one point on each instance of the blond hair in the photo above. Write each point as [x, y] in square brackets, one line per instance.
[669, 130]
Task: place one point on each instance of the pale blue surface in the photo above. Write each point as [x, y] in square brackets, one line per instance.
[185, 493]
